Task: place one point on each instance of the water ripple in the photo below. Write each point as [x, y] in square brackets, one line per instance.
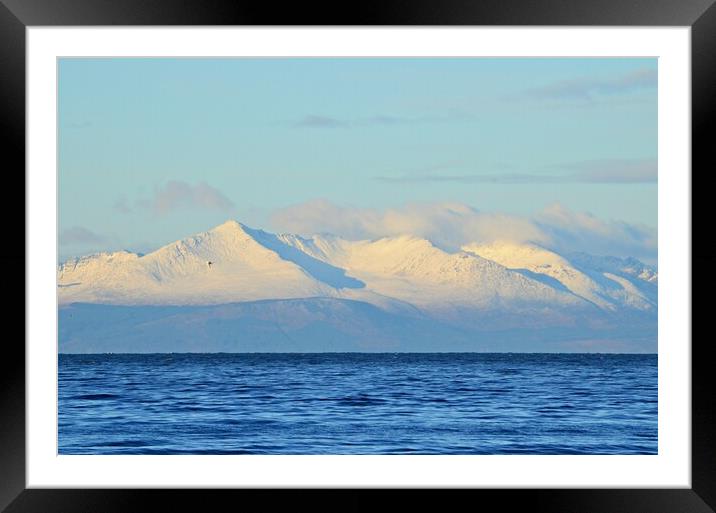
[352, 403]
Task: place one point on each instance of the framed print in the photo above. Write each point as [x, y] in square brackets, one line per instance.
[422, 251]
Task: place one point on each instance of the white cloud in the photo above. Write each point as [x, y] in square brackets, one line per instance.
[614, 171]
[580, 231]
[586, 88]
[178, 195]
[618, 171]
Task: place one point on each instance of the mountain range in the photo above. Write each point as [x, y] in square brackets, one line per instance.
[236, 288]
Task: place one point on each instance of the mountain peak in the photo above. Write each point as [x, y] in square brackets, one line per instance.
[231, 225]
[516, 255]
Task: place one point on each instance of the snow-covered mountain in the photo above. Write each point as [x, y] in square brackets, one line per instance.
[226, 264]
[608, 282]
[401, 281]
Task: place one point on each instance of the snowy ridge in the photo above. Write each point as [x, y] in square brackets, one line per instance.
[413, 270]
[608, 282]
[234, 263]
[222, 265]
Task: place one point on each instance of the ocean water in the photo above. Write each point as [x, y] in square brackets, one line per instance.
[357, 403]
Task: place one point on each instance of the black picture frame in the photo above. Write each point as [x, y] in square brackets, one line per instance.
[16, 15]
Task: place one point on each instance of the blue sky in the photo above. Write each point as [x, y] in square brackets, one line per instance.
[152, 150]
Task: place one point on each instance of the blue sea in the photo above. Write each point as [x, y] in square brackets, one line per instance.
[358, 403]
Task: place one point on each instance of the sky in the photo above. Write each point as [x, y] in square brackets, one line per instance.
[562, 152]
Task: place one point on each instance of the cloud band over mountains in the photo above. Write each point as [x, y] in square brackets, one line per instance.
[451, 225]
